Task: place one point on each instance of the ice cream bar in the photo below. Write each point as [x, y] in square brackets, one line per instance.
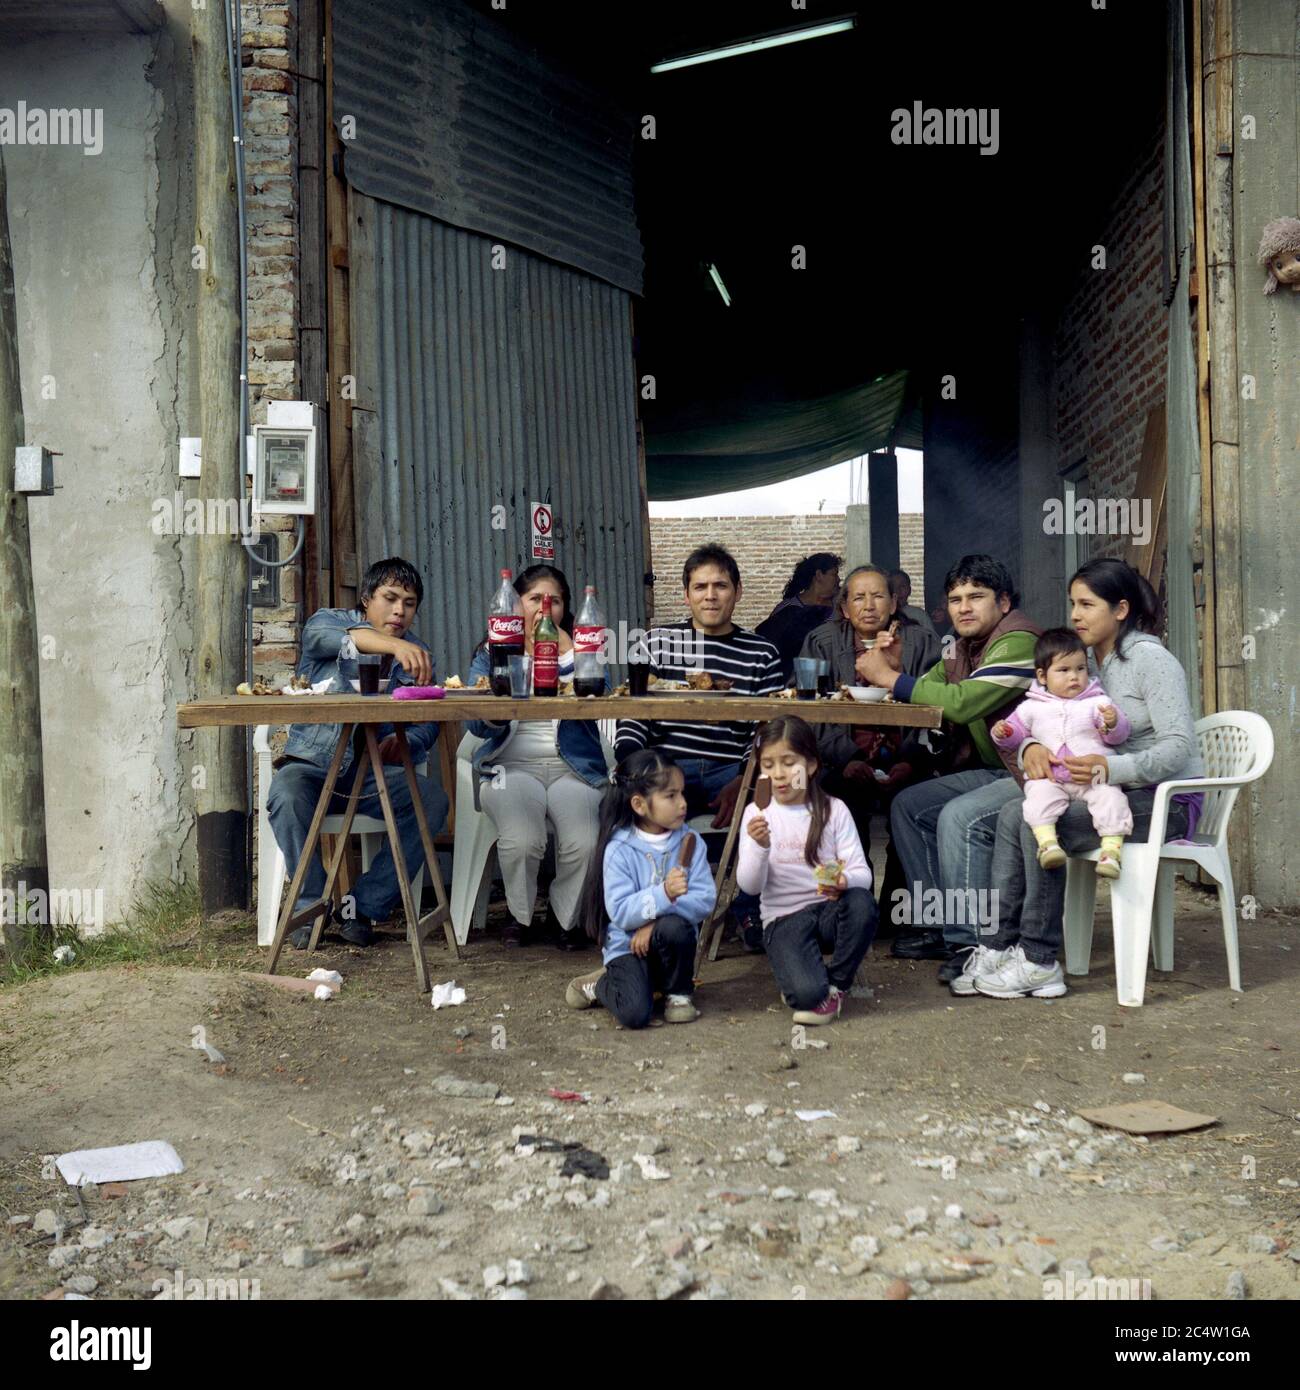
[763, 793]
[688, 851]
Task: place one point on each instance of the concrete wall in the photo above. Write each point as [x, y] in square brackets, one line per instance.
[104, 309]
[766, 548]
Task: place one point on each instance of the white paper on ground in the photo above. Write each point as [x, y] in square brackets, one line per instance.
[154, 1158]
[447, 994]
[326, 977]
[811, 1115]
[323, 992]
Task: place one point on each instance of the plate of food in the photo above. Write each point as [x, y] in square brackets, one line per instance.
[696, 683]
[454, 686]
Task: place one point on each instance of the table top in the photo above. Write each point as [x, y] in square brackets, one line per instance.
[227, 710]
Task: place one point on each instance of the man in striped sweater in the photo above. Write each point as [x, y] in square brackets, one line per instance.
[711, 756]
[944, 829]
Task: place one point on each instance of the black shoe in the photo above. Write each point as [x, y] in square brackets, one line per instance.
[356, 931]
[512, 934]
[925, 944]
[300, 937]
[954, 965]
[574, 940]
[749, 929]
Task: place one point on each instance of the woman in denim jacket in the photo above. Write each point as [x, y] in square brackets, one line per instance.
[537, 771]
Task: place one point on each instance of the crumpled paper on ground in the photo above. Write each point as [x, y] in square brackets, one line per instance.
[326, 977]
[447, 994]
[323, 992]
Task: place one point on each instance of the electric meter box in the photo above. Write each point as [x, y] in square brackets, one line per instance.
[284, 469]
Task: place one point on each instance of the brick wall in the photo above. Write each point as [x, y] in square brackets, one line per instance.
[271, 194]
[766, 548]
[1110, 344]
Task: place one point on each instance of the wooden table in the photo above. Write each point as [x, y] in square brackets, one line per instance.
[363, 712]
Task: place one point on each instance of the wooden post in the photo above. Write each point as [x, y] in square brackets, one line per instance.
[24, 864]
[222, 562]
[1209, 694]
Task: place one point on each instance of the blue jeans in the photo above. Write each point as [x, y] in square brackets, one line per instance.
[291, 803]
[795, 945]
[944, 832]
[704, 780]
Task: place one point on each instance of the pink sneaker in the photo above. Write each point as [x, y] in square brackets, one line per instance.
[825, 1012]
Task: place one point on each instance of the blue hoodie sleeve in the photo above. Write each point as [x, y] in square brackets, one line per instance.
[630, 899]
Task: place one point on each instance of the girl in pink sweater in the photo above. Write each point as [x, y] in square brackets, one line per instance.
[801, 853]
[1070, 715]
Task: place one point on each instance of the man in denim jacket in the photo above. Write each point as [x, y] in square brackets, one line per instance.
[390, 595]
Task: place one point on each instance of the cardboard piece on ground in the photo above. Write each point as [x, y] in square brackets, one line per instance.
[1148, 1117]
[155, 1158]
[289, 982]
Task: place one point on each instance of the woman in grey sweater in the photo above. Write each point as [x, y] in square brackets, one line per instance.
[1115, 611]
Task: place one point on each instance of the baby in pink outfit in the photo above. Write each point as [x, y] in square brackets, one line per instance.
[1070, 715]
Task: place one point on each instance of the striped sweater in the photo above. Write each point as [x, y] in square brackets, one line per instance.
[749, 661]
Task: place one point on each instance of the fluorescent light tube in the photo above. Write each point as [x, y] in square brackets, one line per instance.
[712, 55]
[722, 289]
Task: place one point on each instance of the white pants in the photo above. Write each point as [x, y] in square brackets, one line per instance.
[521, 798]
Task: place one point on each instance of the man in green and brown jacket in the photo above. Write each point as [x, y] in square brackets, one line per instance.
[943, 829]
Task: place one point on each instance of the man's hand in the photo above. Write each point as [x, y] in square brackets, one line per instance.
[758, 832]
[857, 771]
[725, 801]
[1038, 762]
[389, 752]
[1109, 716]
[641, 939]
[1089, 770]
[415, 661]
[875, 668]
[675, 883]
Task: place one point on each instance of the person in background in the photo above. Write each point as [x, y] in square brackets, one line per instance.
[808, 602]
[640, 901]
[711, 756]
[943, 828]
[390, 596]
[900, 585]
[866, 767]
[539, 772]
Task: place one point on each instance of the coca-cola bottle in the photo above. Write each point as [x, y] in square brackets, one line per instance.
[588, 646]
[546, 652]
[505, 634]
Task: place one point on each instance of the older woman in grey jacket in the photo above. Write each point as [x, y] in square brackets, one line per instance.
[1114, 610]
[865, 767]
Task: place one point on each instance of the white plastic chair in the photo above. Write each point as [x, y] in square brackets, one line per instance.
[271, 868]
[1237, 748]
[472, 864]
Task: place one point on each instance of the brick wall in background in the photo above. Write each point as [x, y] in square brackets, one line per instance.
[1111, 342]
[766, 548]
[271, 196]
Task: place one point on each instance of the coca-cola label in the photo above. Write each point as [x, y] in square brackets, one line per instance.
[588, 639]
[546, 664]
[506, 628]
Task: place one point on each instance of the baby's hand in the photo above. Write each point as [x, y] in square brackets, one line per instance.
[1109, 715]
[758, 832]
[1002, 729]
[675, 883]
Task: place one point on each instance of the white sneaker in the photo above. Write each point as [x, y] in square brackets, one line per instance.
[983, 960]
[680, 1008]
[1017, 977]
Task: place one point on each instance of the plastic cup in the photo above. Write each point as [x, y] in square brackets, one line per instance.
[368, 671]
[521, 677]
[824, 684]
[805, 677]
[638, 677]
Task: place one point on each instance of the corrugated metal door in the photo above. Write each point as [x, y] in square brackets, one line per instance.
[488, 379]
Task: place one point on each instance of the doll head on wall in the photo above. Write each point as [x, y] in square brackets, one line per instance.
[1279, 253]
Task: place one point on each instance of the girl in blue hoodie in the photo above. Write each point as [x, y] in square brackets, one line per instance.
[646, 893]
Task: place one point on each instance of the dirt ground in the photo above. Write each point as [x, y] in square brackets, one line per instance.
[321, 1162]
